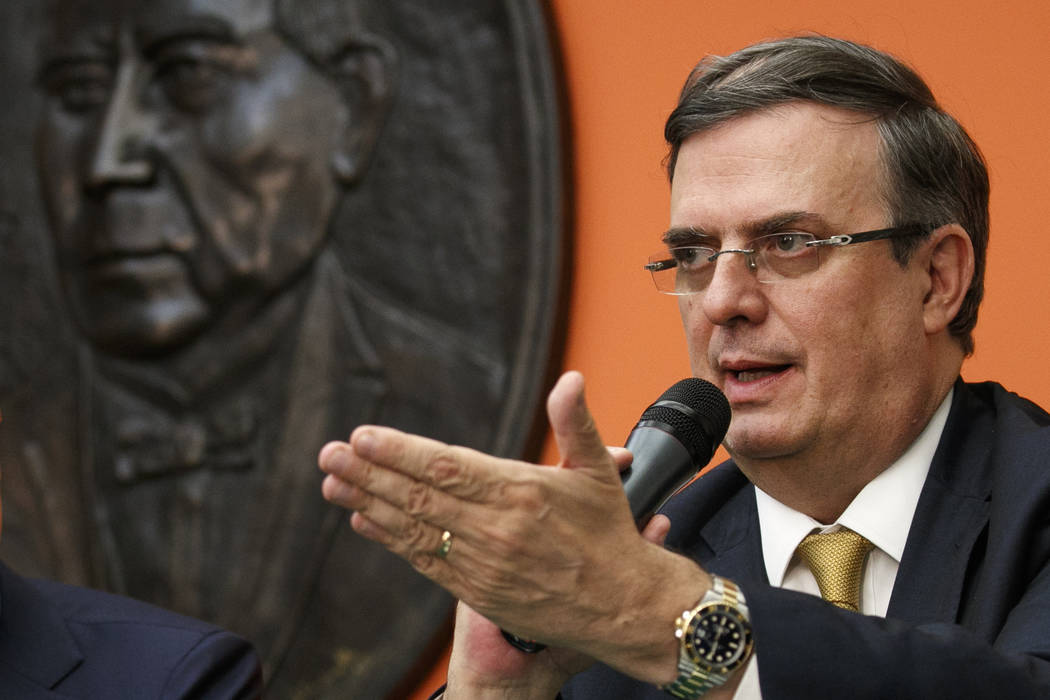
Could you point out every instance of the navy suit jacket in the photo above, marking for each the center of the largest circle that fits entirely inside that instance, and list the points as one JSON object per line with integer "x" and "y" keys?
{"x": 59, "y": 641}
{"x": 969, "y": 616}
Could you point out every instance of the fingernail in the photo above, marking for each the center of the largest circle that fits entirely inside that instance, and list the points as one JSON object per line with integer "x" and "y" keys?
{"x": 364, "y": 444}
{"x": 338, "y": 460}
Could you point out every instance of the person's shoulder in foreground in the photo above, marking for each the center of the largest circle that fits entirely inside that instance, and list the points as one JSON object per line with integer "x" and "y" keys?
{"x": 60, "y": 641}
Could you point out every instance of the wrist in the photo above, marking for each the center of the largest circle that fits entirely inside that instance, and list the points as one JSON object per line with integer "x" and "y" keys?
{"x": 536, "y": 687}
{"x": 641, "y": 642}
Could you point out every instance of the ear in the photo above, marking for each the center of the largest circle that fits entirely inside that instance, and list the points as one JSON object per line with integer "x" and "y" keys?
{"x": 365, "y": 71}
{"x": 949, "y": 262}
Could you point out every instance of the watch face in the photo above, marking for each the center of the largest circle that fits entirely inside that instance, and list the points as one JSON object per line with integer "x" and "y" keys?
{"x": 718, "y": 638}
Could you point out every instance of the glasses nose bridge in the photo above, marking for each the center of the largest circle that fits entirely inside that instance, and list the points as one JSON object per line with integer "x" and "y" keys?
{"x": 748, "y": 253}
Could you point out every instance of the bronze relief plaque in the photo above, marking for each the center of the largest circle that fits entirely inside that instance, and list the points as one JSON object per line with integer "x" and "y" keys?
{"x": 231, "y": 231}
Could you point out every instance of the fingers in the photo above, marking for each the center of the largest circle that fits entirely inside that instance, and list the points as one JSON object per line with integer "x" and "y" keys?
{"x": 656, "y": 529}
{"x": 397, "y": 503}
{"x": 457, "y": 471}
{"x": 382, "y": 521}
{"x": 622, "y": 456}
{"x": 406, "y": 506}
{"x": 572, "y": 424}
{"x": 425, "y": 460}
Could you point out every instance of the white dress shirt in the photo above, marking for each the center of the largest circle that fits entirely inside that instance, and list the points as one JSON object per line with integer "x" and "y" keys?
{"x": 882, "y": 512}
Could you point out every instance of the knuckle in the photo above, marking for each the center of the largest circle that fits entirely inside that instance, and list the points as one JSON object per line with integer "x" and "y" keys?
{"x": 530, "y": 498}
{"x": 506, "y": 545}
{"x": 443, "y": 470}
{"x": 418, "y": 499}
{"x": 415, "y": 538}
{"x": 422, "y": 561}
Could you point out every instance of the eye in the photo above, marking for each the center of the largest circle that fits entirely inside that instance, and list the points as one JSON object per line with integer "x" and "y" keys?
{"x": 191, "y": 84}
{"x": 690, "y": 257}
{"x": 785, "y": 245}
{"x": 195, "y": 75}
{"x": 80, "y": 87}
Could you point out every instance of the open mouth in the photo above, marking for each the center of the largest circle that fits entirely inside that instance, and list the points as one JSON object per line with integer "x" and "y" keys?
{"x": 754, "y": 374}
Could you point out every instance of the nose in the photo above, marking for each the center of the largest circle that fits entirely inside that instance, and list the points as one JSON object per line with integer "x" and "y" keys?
{"x": 734, "y": 295}
{"x": 120, "y": 154}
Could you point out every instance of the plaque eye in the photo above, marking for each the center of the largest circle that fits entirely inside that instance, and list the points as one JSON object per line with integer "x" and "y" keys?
{"x": 80, "y": 87}
{"x": 195, "y": 75}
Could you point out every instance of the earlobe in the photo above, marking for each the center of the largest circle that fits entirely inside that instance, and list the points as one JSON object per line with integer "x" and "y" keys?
{"x": 950, "y": 265}
{"x": 365, "y": 71}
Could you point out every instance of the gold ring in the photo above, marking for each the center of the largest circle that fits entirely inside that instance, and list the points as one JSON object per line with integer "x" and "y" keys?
{"x": 446, "y": 545}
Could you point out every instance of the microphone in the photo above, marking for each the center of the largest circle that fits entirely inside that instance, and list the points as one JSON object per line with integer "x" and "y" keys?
{"x": 674, "y": 437}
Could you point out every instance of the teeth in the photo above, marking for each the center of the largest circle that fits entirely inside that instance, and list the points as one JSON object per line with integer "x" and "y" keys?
{"x": 752, "y": 375}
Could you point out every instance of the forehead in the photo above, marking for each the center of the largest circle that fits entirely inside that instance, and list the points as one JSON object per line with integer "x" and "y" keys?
{"x": 71, "y": 20}
{"x": 799, "y": 157}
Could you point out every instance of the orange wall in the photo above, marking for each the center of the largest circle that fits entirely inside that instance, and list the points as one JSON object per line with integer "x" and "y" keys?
{"x": 625, "y": 61}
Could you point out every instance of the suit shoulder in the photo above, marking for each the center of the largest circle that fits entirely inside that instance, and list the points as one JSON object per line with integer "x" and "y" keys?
{"x": 80, "y": 642}
{"x": 154, "y": 652}
{"x": 87, "y": 606}
{"x": 1010, "y": 408}
{"x": 1005, "y": 440}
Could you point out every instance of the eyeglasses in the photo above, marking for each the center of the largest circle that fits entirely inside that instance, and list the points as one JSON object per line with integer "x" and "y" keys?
{"x": 773, "y": 257}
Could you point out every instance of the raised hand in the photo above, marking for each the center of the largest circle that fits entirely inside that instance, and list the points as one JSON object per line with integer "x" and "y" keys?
{"x": 546, "y": 552}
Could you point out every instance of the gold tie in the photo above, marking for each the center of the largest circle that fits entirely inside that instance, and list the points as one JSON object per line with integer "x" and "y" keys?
{"x": 837, "y": 562}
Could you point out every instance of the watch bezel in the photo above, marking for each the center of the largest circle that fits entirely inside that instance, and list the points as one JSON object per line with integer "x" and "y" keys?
{"x": 743, "y": 632}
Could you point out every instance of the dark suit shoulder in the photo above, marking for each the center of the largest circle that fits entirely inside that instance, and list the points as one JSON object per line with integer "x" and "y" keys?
{"x": 1009, "y": 407}
{"x": 84, "y": 643}
{"x": 86, "y": 606}
{"x": 1003, "y": 440}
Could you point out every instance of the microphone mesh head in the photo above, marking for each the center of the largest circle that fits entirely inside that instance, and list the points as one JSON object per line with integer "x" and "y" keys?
{"x": 697, "y": 413}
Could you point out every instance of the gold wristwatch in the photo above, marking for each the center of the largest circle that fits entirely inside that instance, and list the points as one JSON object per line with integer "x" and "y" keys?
{"x": 714, "y": 640}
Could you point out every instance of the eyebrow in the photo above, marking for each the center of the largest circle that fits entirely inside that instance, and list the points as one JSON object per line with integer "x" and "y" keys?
{"x": 696, "y": 235}
{"x": 95, "y": 46}
{"x": 152, "y": 36}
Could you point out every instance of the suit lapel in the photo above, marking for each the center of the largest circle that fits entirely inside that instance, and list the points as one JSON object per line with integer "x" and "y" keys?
{"x": 736, "y": 544}
{"x": 951, "y": 515}
{"x": 720, "y": 505}
{"x": 36, "y": 649}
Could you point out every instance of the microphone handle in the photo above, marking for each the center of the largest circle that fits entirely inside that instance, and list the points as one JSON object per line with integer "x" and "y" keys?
{"x": 528, "y": 646}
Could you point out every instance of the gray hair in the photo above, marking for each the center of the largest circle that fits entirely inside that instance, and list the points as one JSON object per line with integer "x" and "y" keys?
{"x": 936, "y": 174}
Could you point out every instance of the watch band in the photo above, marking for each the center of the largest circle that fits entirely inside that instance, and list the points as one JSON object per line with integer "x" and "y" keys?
{"x": 693, "y": 679}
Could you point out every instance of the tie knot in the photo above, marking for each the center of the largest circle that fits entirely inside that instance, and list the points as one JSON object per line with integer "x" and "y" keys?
{"x": 837, "y": 562}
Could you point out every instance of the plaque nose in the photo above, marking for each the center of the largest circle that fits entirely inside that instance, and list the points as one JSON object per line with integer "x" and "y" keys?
{"x": 121, "y": 154}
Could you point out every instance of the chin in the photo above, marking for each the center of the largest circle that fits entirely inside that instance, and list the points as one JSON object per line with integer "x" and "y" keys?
{"x": 763, "y": 442}
{"x": 141, "y": 332}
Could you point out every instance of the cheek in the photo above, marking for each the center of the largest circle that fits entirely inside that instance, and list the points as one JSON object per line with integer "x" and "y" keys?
{"x": 264, "y": 140}
{"x": 59, "y": 151}
{"x": 860, "y": 343}
{"x": 697, "y": 333}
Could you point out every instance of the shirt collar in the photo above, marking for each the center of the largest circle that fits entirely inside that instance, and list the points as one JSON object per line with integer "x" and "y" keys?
{"x": 881, "y": 512}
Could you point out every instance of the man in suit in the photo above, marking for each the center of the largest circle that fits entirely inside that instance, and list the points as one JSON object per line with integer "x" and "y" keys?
{"x": 60, "y": 641}
{"x": 881, "y": 529}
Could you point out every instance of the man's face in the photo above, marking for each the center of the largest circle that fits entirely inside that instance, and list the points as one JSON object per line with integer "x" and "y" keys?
{"x": 830, "y": 363}
{"x": 184, "y": 153}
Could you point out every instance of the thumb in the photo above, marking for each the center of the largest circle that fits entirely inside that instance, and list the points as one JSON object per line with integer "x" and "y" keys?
{"x": 574, "y": 430}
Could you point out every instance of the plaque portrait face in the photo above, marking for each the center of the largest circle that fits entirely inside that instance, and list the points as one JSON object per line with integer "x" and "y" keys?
{"x": 191, "y": 159}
